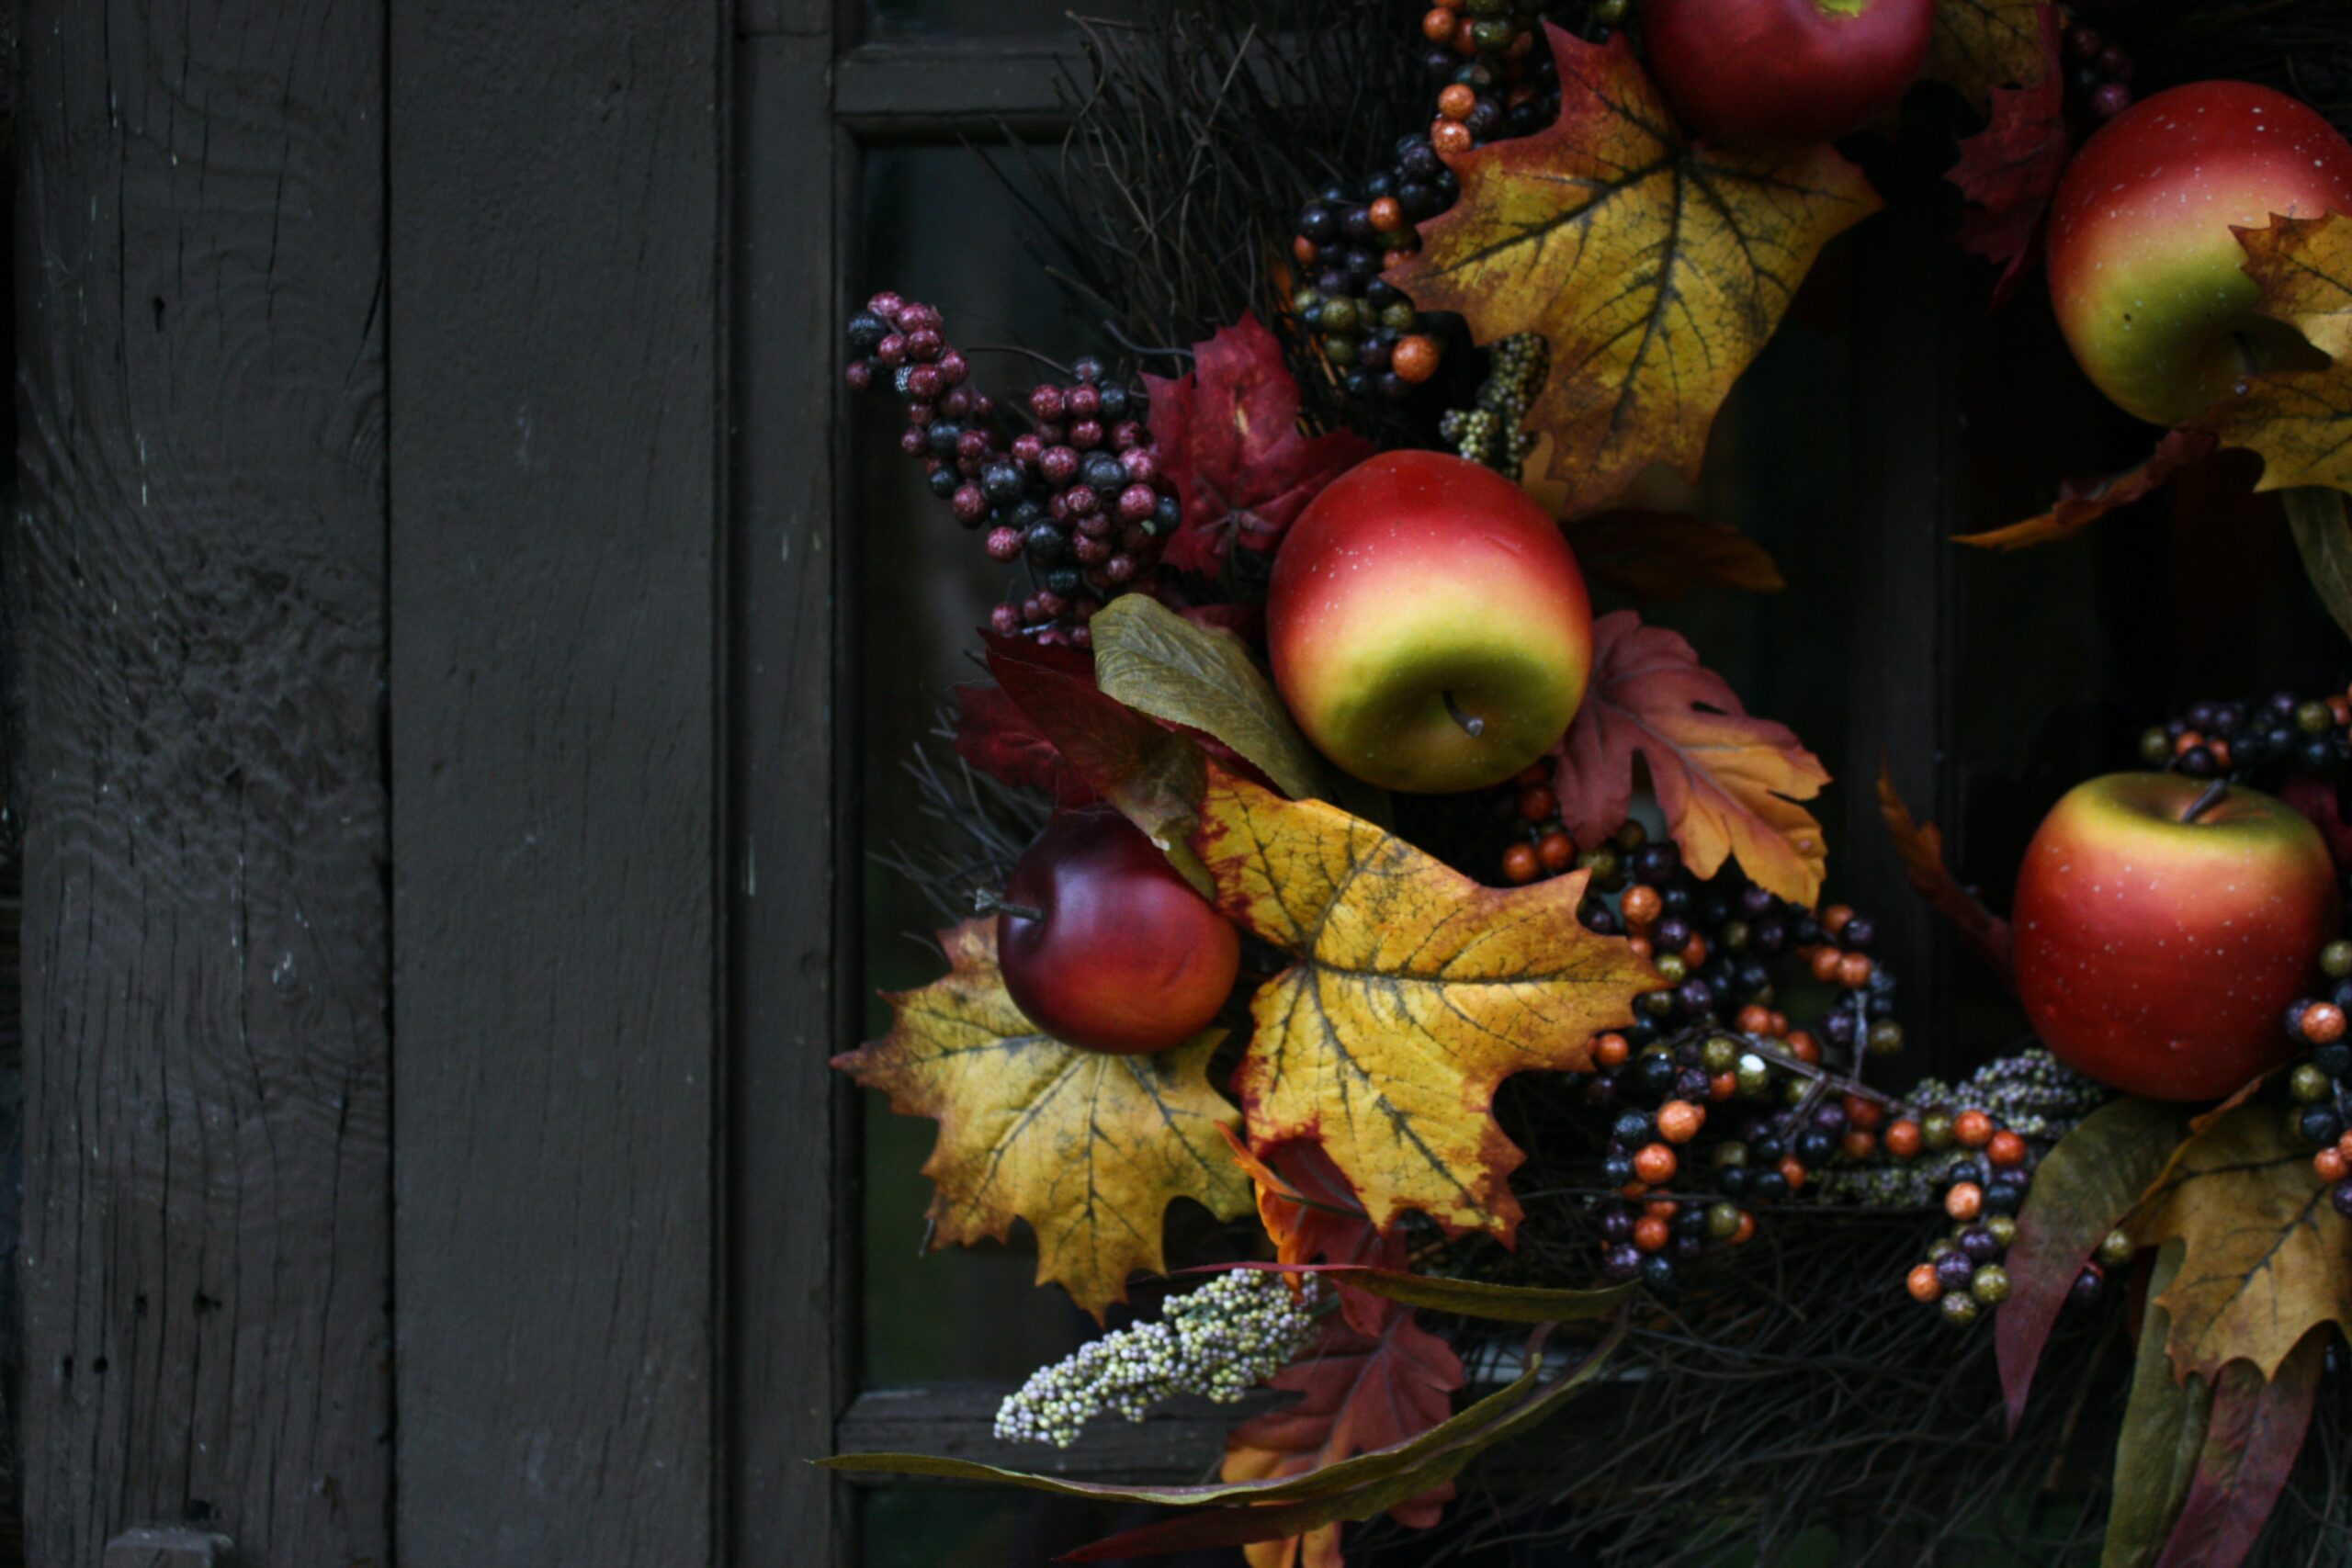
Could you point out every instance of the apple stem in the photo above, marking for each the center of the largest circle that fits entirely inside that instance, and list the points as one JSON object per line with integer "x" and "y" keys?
{"x": 987, "y": 903}
{"x": 2207, "y": 801}
{"x": 1473, "y": 727}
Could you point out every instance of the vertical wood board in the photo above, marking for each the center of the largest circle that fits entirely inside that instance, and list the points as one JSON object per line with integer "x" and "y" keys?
{"x": 198, "y": 570}
{"x": 557, "y": 263}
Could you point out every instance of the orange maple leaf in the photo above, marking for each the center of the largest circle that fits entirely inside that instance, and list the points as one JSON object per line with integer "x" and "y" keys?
{"x": 1729, "y": 783}
{"x": 1090, "y": 1149}
{"x": 1414, "y": 993}
{"x": 2080, "y": 506}
{"x": 1655, "y": 269}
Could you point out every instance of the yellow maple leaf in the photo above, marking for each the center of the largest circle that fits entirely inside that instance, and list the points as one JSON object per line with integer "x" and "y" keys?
{"x": 1984, "y": 44}
{"x": 1415, "y": 993}
{"x": 1088, "y": 1148}
{"x": 1655, "y": 269}
{"x": 2266, "y": 1257}
{"x": 2304, "y": 265}
{"x": 2299, "y": 420}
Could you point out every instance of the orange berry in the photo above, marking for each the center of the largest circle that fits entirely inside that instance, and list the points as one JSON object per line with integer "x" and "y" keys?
{"x": 1694, "y": 952}
{"x": 2330, "y": 1165}
{"x": 1415, "y": 357}
{"x": 1922, "y": 1284}
{"x": 2187, "y": 740}
{"x": 1520, "y": 863}
{"x": 1387, "y": 214}
{"x": 1854, "y": 971}
{"x": 2323, "y": 1023}
{"x": 1654, "y": 1163}
{"x": 1456, "y": 102}
{"x": 1537, "y": 803}
{"x": 1824, "y": 961}
{"x": 1858, "y": 1145}
{"x": 1437, "y": 26}
{"x": 1793, "y": 1172}
{"x": 1678, "y": 1121}
{"x": 2221, "y": 751}
{"x": 1557, "y": 851}
{"x": 1964, "y": 1201}
{"x": 1834, "y": 919}
{"x": 1611, "y": 1050}
{"x": 1446, "y": 136}
{"x": 1641, "y": 946}
{"x": 1532, "y": 775}
{"x": 1633, "y": 1190}
{"x": 1746, "y": 1231}
{"x": 1465, "y": 41}
{"x": 1867, "y": 1114}
{"x": 1723, "y": 1085}
{"x": 1972, "y": 1128}
{"x": 1780, "y": 1025}
{"x": 1903, "y": 1140}
{"x": 1661, "y": 1208}
{"x": 2342, "y": 709}
{"x": 1304, "y": 250}
{"x": 1651, "y": 1234}
{"x": 1753, "y": 1020}
{"x": 2344, "y": 1146}
{"x": 1804, "y": 1047}
{"x": 1641, "y": 905}
{"x": 2006, "y": 1148}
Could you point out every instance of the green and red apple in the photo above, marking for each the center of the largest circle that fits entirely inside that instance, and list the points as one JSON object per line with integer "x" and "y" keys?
{"x": 1427, "y": 625}
{"x": 2160, "y": 935}
{"x": 1104, "y": 946}
{"x": 2145, "y": 271}
{"x": 1784, "y": 74}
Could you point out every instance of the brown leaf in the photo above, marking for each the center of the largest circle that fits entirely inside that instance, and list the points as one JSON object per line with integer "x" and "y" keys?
{"x": 1655, "y": 269}
{"x": 1922, "y": 848}
{"x": 2266, "y": 1257}
{"x": 1729, "y": 783}
{"x": 1984, "y": 44}
{"x": 2080, "y": 506}
{"x": 1664, "y": 554}
{"x": 1090, "y": 1149}
{"x": 1414, "y": 993}
{"x": 2009, "y": 170}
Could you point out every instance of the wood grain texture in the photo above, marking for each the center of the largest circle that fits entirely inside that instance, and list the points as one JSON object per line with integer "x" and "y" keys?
{"x": 557, "y": 266}
{"x": 793, "y": 1305}
{"x": 200, "y": 562}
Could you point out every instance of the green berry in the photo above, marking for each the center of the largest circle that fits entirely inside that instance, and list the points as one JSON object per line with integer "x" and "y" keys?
{"x": 2156, "y": 747}
{"x": 1719, "y": 1054}
{"x": 1885, "y": 1038}
{"x": 2314, "y": 719}
{"x": 1340, "y": 313}
{"x": 1723, "y": 1221}
{"x": 2335, "y": 959}
{"x": 1753, "y": 1076}
{"x": 2309, "y": 1085}
{"x": 1959, "y": 1309}
{"x": 1936, "y": 1129}
{"x": 2115, "y": 1249}
{"x": 2002, "y": 1229}
{"x": 1991, "y": 1285}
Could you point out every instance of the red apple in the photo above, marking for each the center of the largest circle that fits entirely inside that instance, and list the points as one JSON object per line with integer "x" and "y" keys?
{"x": 1104, "y": 946}
{"x": 1780, "y": 73}
{"x": 1428, "y": 626}
{"x": 2158, "y": 950}
{"x": 2148, "y": 279}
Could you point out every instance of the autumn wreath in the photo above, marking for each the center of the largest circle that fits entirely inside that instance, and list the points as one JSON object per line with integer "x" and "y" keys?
{"x": 1306, "y": 802}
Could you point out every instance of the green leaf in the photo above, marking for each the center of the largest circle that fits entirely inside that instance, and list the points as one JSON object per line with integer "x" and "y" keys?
{"x": 1467, "y": 1297}
{"x": 2081, "y": 1191}
{"x": 1155, "y": 661}
{"x": 1480, "y": 1424}
{"x": 1367, "y": 1493}
{"x": 2164, "y": 1433}
{"x": 2322, "y": 532}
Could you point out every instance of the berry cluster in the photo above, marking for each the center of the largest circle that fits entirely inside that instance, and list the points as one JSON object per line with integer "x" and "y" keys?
{"x": 2255, "y": 743}
{"x": 1493, "y": 432}
{"x": 2321, "y": 1085}
{"x": 1077, "y": 494}
{"x": 1498, "y": 78}
{"x": 1218, "y": 1342}
{"x": 1367, "y": 330}
{"x": 2099, "y": 73}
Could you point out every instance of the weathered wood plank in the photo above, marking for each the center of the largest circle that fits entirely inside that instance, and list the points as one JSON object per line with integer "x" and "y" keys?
{"x": 557, "y": 260}
{"x": 794, "y": 1306}
{"x": 199, "y": 560}
{"x": 932, "y": 88}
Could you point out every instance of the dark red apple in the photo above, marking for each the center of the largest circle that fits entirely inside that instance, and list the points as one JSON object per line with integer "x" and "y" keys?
{"x": 2147, "y": 277}
{"x": 2158, "y": 946}
{"x": 1104, "y": 945}
{"x": 1427, "y": 623}
{"x": 1784, "y": 74}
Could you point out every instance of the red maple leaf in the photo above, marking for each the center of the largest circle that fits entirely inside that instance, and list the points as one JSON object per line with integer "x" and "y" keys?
{"x": 2009, "y": 170}
{"x": 2084, "y": 502}
{"x": 997, "y": 739}
{"x": 1311, "y": 1213}
{"x": 1228, "y": 436}
{"x": 1729, "y": 783}
{"x": 1361, "y": 1389}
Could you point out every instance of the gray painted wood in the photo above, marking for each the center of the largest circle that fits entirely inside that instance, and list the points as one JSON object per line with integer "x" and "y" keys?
{"x": 794, "y": 1306}
{"x": 199, "y": 564}
{"x": 556, "y": 227}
